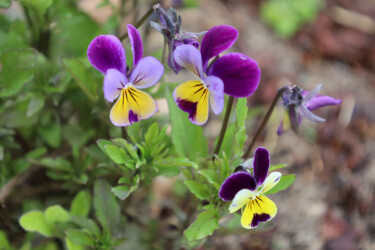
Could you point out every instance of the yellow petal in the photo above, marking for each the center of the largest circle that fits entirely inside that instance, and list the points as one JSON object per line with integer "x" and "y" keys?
{"x": 192, "y": 97}
{"x": 259, "y": 210}
{"x": 133, "y": 105}
{"x": 240, "y": 199}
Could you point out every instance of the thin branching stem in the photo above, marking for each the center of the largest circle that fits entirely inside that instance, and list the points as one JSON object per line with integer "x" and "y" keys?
{"x": 265, "y": 120}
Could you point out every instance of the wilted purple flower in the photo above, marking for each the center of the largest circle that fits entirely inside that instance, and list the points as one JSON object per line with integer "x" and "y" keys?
{"x": 107, "y": 55}
{"x": 299, "y": 103}
{"x": 170, "y": 28}
{"x": 234, "y": 74}
{"x": 245, "y": 189}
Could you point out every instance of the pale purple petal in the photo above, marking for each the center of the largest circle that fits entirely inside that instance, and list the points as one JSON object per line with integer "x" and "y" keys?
{"x": 114, "y": 82}
{"x": 147, "y": 73}
{"x": 106, "y": 52}
{"x": 239, "y": 73}
{"x": 319, "y": 101}
{"x": 261, "y": 165}
{"x": 174, "y": 66}
{"x": 309, "y": 115}
{"x": 216, "y": 87}
{"x": 217, "y": 40}
{"x": 234, "y": 183}
{"x": 136, "y": 43}
{"x": 309, "y": 95}
{"x": 189, "y": 57}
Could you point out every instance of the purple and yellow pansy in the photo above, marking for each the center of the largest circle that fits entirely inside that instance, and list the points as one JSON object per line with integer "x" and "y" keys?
{"x": 107, "y": 55}
{"x": 247, "y": 190}
{"x": 234, "y": 74}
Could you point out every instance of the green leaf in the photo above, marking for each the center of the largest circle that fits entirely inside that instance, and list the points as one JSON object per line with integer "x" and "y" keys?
{"x": 278, "y": 166}
{"x": 77, "y": 69}
{"x": 87, "y": 224}
{"x": 79, "y": 237}
{"x": 18, "y": 68}
{"x": 36, "y": 104}
{"x": 54, "y": 214}
{"x": 39, "y": 6}
{"x": 126, "y": 187}
{"x": 101, "y": 143}
{"x": 34, "y": 222}
{"x": 205, "y": 224}
{"x": 212, "y": 177}
{"x": 117, "y": 154}
{"x": 73, "y": 246}
{"x": 106, "y": 207}
{"x": 4, "y": 241}
{"x": 151, "y": 133}
{"x": 198, "y": 189}
{"x": 187, "y": 137}
{"x": 284, "y": 183}
{"x": 51, "y": 134}
{"x": 5, "y": 3}
{"x": 81, "y": 204}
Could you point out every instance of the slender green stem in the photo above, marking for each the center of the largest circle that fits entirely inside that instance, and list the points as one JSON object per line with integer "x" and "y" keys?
{"x": 223, "y": 126}
{"x": 141, "y": 21}
{"x": 265, "y": 120}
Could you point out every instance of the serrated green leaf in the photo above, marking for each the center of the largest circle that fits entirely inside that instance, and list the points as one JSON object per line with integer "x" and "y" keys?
{"x": 284, "y": 183}
{"x": 79, "y": 237}
{"x": 101, "y": 143}
{"x": 36, "y": 104}
{"x": 77, "y": 69}
{"x": 18, "y": 68}
{"x": 212, "y": 177}
{"x": 117, "y": 154}
{"x": 106, "y": 207}
{"x": 129, "y": 147}
{"x": 186, "y": 137}
{"x": 81, "y": 204}
{"x": 34, "y": 222}
{"x": 198, "y": 189}
{"x": 151, "y": 133}
{"x": 205, "y": 224}
{"x": 54, "y": 214}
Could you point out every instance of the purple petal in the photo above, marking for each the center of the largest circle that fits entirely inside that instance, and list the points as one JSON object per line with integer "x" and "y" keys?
{"x": 106, "y": 52}
{"x": 136, "y": 43}
{"x": 306, "y": 113}
{"x": 319, "y": 101}
{"x": 147, "y": 73}
{"x": 235, "y": 183}
{"x": 261, "y": 165}
{"x": 216, "y": 87}
{"x": 217, "y": 40}
{"x": 188, "y": 56}
{"x": 239, "y": 73}
{"x": 114, "y": 82}
{"x": 171, "y": 61}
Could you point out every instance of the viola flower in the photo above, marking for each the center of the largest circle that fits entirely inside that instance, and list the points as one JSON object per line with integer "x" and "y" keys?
{"x": 299, "y": 103}
{"x": 170, "y": 28}
{"x": 247, "y": 190}
{"x": 107, "y": 55}
{"x": 234, "y": 74}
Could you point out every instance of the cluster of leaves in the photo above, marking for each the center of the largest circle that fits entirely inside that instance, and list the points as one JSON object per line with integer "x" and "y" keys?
{"x": 287, "y": 16}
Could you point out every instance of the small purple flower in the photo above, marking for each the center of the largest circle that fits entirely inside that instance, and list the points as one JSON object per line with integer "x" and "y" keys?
{"x": 170, "y": 28}
{"x": 299, "y": 103}
{"x": 234, "y": 74}
{"x": 107, "y": 55}
{"x": 245, "y": 189}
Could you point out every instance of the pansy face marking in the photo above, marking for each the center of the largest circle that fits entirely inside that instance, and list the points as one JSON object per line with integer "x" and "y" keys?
{"x": 299, "y": 103}
{"x": 107, "y": 55}
{"x": 234, "y": 74}
{"x": 247, "y": 190}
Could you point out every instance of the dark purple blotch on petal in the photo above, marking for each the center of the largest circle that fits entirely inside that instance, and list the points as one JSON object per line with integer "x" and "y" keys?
{"x": 234, "y": 183}
{"x": 261, "y": 165}
{"x": 259, "y": 218}
{"x": 132, "y": 117}
{"x": 188, "y": 107}
{"x": 239, "y": 73}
